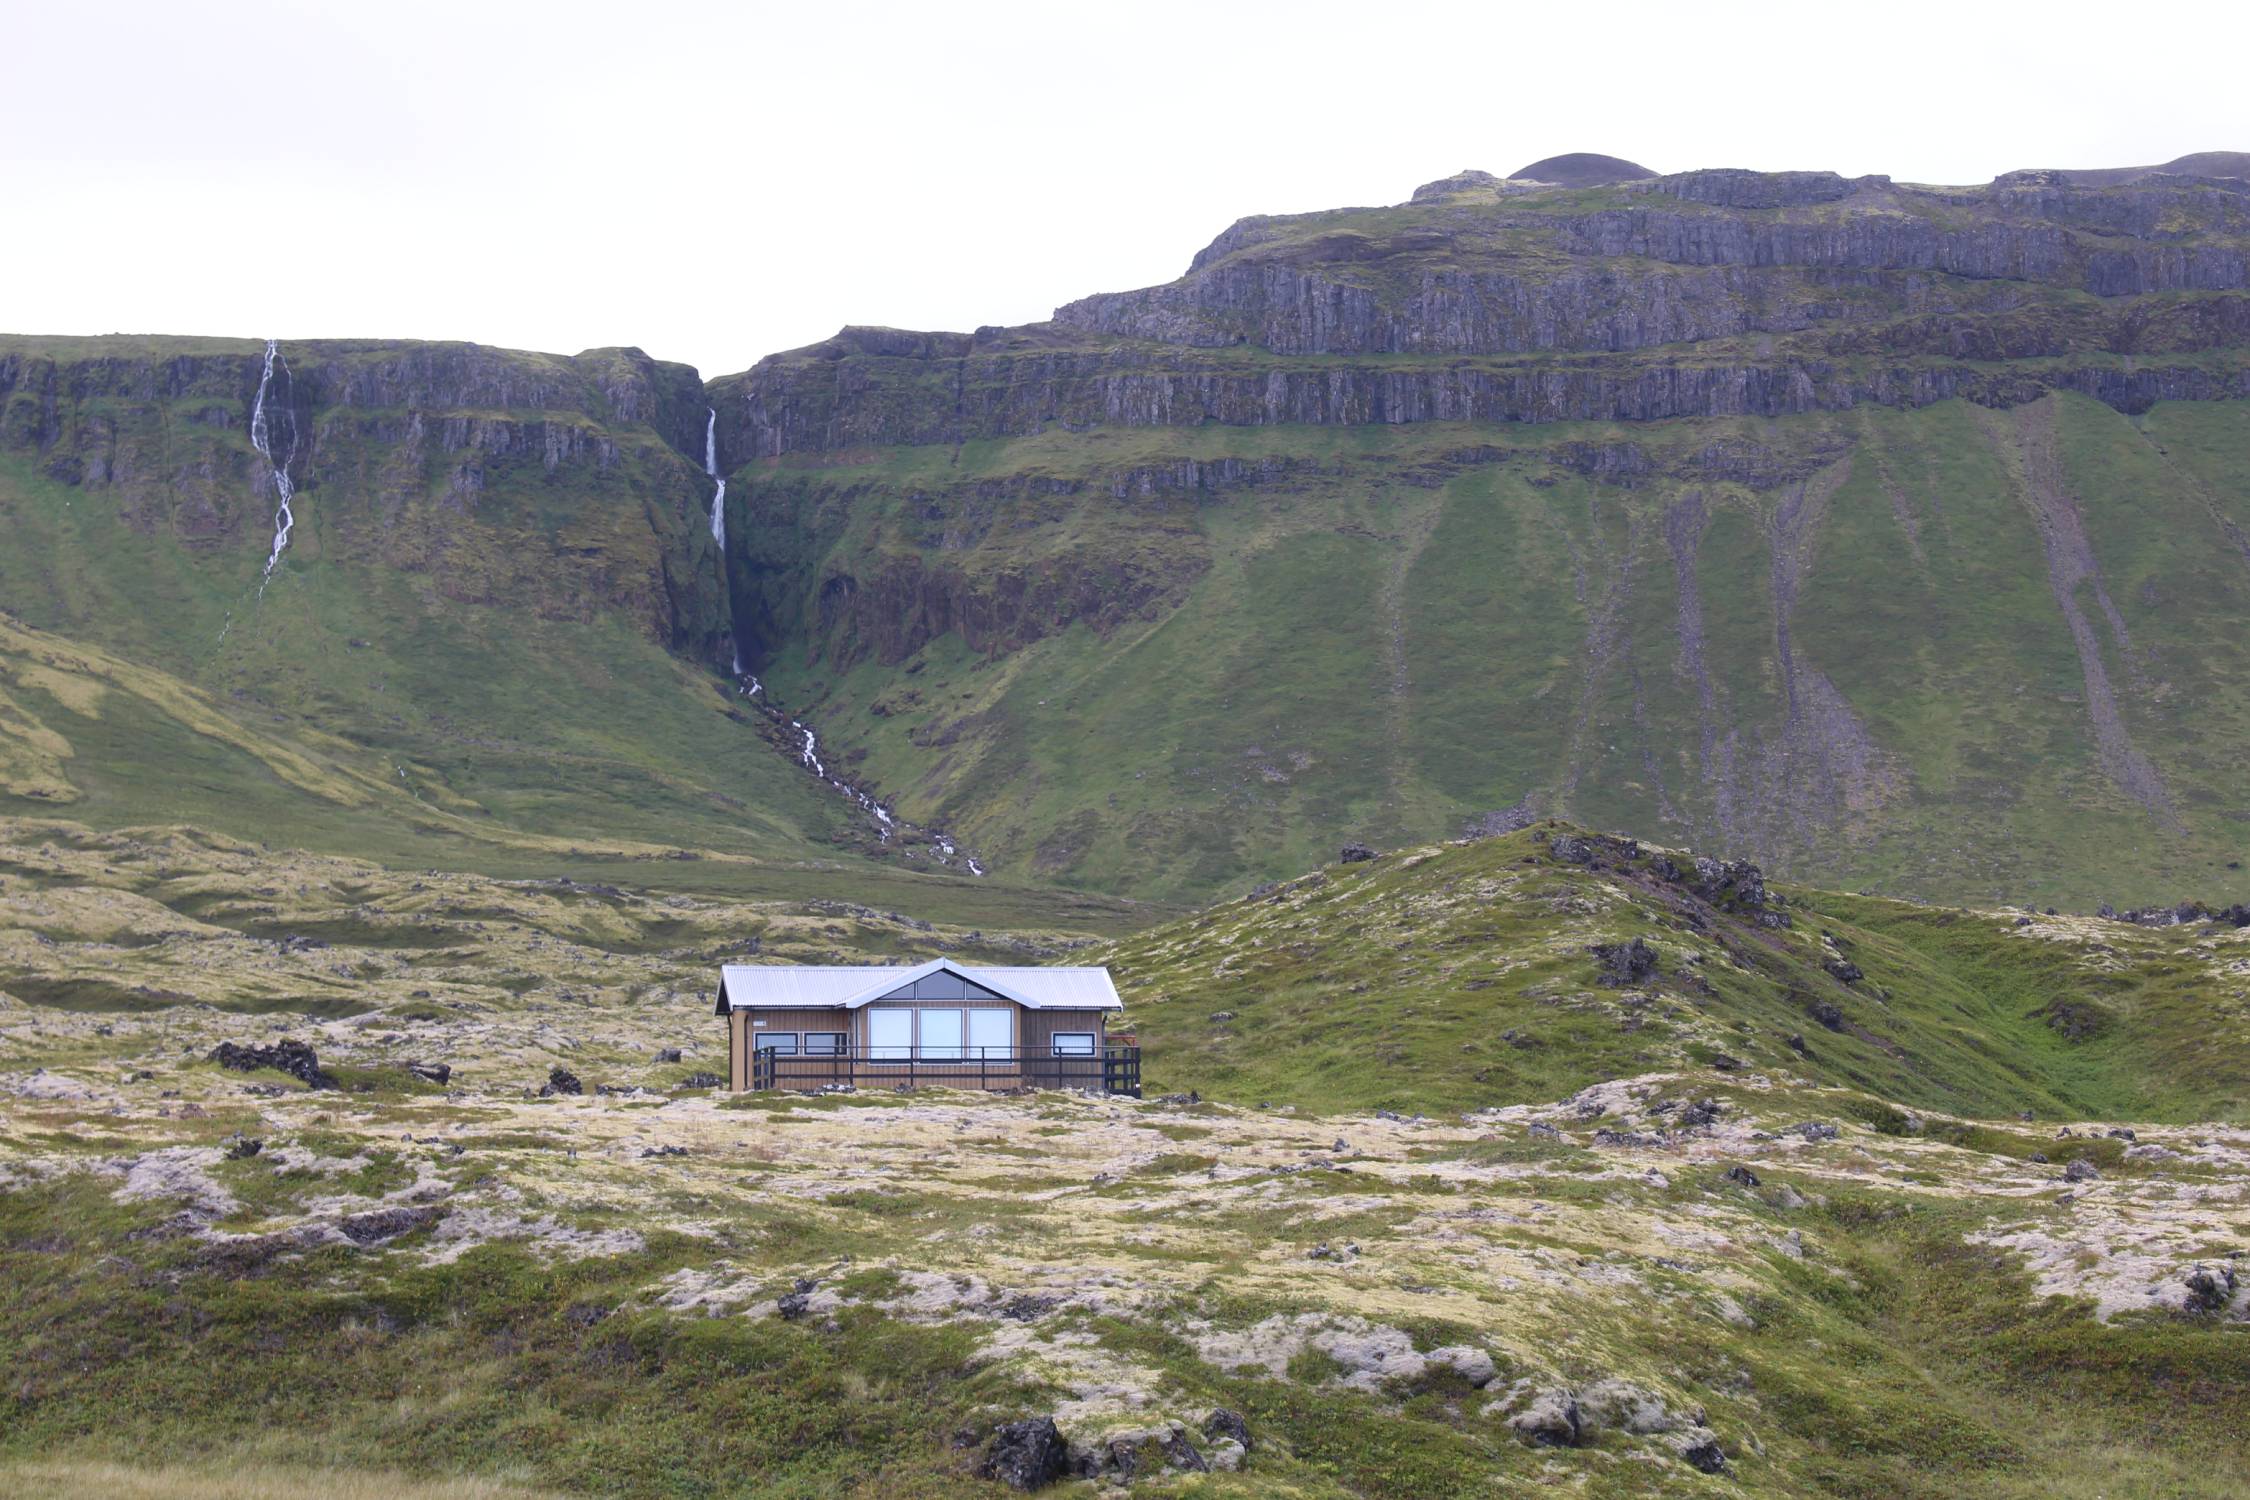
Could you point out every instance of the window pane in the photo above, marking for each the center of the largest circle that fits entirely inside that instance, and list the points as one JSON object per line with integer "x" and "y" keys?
{"x": 824, "y": 1043}
{"x": 783, "y": 1042}
{"x": 991, "y": 1033}
{"x": 890, "y": 1033}
{"x": 941, "y": 1033}
{"x": 1074, "y": 1044}
{"x": 940, "y": 986}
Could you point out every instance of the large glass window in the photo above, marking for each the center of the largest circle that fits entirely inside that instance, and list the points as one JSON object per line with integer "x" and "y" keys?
{"x": 940, "y": 986}
{"x": 890, "y": 1033}
{"x": 991, "y": 1034}
{"x": 1074, "y": 1044}
{"x": 824, "y": 1043}
{"x": 782, "y": 1042}
{"x": 942, "y": 1034}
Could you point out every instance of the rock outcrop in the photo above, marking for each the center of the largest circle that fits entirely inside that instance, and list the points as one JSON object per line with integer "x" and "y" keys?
{"x": 1880, "y": 293}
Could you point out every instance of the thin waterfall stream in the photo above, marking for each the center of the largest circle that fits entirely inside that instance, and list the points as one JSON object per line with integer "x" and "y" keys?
{"x": 261, "y": 438}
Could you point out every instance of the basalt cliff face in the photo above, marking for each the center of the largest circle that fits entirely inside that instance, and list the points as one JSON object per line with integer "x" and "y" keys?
{"x": 561, "y": 485}
{"x": 1885, "y": 532}
{"x": 1703, "y": 294}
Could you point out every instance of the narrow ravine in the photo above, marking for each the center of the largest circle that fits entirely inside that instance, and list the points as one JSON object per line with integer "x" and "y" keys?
{"x": 261, "y": 438}
{"x": 890, "y": 832}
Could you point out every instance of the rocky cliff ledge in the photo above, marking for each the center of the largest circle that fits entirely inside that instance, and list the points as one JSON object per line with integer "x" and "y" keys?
{"x": 1707, "y": 293}
{"x": 568, "y": 484}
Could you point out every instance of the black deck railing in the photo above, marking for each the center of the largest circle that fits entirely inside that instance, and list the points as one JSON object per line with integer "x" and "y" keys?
{"x": 1113, "y": 1069}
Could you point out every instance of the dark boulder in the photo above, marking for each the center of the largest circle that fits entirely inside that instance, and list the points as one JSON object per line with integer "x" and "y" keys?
{"x": 1625, "y": 965}
{"x": 1227, "y": 1426}
{"x": 797, "y": 1301}
{"x": 2080, "y": 1170}
{"x": 1826, "y": 1014}
{"x": 1181, "y": 1454}
{"x": 1743, "y": 1175}
{"x": 561, "y": 1080}
{"x": 243, "y": 1147}
{"x": 667, "y": 1055}
{"x": 438, "y": 1073}
{"x": 1845, "y": 970}
{"x": 1700, "y": 1451}
{"x": 700, "y": 1081}
{"x": 1354, "y": 854}
{"x": 2210, "y": 1289}
{"x": 1025, "y": 1455}
{"x": 1699, "y": 1114}
{"x": 1552, "y": 1420}
{"x": 294, "y": 1058}
{"x": 386, "y": 1224}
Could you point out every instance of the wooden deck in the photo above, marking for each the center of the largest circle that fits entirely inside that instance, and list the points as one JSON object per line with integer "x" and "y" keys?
{"x": 1114, "y": 1069}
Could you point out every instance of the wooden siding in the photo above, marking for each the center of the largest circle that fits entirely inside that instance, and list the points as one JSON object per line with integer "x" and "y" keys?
{"x": 1040, "y": 1026}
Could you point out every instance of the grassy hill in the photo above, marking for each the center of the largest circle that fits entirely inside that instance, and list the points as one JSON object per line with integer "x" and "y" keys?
{"x": 1479, "y": 973}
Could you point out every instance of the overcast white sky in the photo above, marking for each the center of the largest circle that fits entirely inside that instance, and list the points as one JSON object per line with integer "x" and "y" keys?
{"x": 714, "y": 182}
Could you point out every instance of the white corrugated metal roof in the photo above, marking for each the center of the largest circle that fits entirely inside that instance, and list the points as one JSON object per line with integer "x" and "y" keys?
{"x": 812, "y": 987}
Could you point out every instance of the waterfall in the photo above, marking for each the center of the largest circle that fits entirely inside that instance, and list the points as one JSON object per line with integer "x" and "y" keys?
{"x": 806, "y": 755}
{"x": 719, "y": 500}
{"x": 886, "y": 822}
{"x": 261, "y": 438}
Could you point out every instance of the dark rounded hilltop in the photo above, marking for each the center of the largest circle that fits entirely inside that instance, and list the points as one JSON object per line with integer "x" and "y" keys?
{"x": 1582, "y": 169}
{"x": 2218, "y": 164}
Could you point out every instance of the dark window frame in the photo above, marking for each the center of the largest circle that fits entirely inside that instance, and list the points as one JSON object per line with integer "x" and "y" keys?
{"x": 835, "y": 1049}
{"x": 1056, "y": 1039}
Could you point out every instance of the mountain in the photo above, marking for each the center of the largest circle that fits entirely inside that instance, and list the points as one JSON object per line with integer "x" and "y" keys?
{"x": 1892, "y": 535}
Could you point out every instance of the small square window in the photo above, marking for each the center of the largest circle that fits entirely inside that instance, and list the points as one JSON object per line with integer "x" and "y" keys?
{"x": 1074, "y": 1044}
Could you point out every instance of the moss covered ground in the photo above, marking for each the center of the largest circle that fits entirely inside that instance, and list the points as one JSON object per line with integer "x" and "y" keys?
{"x": 1850, "y": 1269}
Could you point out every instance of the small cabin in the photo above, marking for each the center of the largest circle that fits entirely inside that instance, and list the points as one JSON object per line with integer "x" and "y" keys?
{"x": 939, "y": 1023}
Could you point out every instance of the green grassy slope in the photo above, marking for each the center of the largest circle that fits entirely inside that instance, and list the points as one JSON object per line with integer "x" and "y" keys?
{"x": 1382, "y": 633}
{"x": 1463, "y": 976}
{"x": 486, "y": 648}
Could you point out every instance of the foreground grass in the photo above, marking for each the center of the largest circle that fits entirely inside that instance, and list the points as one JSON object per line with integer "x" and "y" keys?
{"x": 240, "y": 1479}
